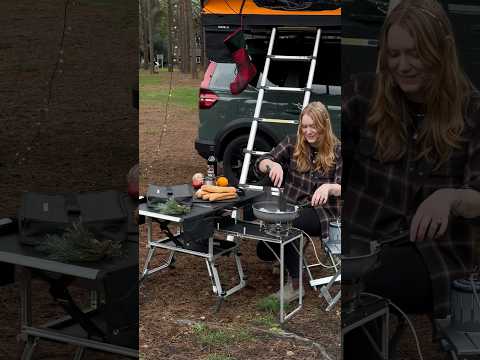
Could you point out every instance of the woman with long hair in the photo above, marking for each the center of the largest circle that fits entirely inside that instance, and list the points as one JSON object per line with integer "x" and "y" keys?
{"x": 412, "y": 152}
{"x": 309, "y": 166}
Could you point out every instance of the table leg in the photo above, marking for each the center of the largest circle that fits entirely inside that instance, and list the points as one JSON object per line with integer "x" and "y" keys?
{"x": 219, "y": 305}
{"x": 25, "y": 296}
{"x": 148, "y": 220}
{"x": 216, "y": 277}
{"x": 150, "y": 254}
{"x": 241, "y": 274}
{"x": 300, "y": 266}
{"x": 282, "y": 276}
{"x": 30, "y": 345}
{"x": 385, "y": 337}
{"x": 26, "y": 311}
{"x": 79, "y": 353}
{"x": 216, "y": 281}
{"x": 210, "y": 274}
{"x": 283, "y": 315}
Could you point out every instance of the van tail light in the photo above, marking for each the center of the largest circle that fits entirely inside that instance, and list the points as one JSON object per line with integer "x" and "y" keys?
{"x": 207, "y": 99}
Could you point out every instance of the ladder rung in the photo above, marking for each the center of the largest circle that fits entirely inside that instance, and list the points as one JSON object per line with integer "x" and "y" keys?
{"x": 277, "y": 121}
{"x": 280, "y": 88}
{"x": 334, "y": 107}
{"x": 254, "y": 152}
{"x": 290, "y": 58}
{"x": 297, "y": 28}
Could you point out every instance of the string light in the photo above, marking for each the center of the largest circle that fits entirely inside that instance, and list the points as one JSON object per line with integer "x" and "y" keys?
{"x": 44, "y": 110}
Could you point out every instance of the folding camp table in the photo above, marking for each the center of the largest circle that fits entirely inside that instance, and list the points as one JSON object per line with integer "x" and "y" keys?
{"x": 233, "y": 232}
{"x": 253, "y": 231}
{"x": 199, "y": 211}
{"x": 63, "y": 330}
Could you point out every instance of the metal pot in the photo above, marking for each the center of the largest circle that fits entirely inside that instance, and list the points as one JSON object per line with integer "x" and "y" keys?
{"x": 269, "y": 211}
{"x": 335, "y": 232}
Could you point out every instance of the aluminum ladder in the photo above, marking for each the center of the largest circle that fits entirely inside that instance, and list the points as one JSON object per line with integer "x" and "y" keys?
{"x": 258, "y": 106}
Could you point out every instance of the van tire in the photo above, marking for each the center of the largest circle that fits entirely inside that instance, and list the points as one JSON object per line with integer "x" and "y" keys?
{"x": 233, "y": 157}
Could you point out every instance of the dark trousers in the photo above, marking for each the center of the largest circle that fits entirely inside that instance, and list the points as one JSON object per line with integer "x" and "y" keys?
{"x": 306, "y": 221}
{"x": 401, "y": 277}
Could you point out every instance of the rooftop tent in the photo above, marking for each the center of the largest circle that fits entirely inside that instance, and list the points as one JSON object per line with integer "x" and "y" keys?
{"x": 256, "y": 12}
{"x": 220, "y": 17}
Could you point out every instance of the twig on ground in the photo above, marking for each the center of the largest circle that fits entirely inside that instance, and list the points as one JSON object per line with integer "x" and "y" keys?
{"x": 278, "y": 333}
{"x": 285, "y": 334}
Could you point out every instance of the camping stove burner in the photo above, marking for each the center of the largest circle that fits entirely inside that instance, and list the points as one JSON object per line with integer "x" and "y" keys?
{"x": 275, "y": 229}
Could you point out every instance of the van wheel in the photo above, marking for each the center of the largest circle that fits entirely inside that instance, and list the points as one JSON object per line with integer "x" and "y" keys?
{"x": 233, "y": 158}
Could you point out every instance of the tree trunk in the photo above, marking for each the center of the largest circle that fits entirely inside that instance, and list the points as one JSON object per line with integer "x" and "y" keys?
{"x": 191, "y": 37}
{"x": 170, "y": 37}
{"x": 150, "y": 35}
{"x": 141, "y": 39}
{"x": 144, "y": 35}
{"x": 183, "y": 36}
{"x": 203, "y": 48}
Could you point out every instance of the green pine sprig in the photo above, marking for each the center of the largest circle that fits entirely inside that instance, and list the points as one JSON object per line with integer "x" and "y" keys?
{"x": 78, "y": 244}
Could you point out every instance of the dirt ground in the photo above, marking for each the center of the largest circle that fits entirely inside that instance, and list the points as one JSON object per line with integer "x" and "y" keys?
{"x": 88, "y": 138}
{"x": 173, "y": 298}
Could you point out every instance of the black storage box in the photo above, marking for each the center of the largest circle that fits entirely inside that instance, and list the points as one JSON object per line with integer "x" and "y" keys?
{"x": 160, "y": 194}
{"x": 104, "y": 213}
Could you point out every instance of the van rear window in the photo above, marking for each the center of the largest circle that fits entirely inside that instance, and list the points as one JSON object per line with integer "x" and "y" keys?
{"x": 223, "y": 76}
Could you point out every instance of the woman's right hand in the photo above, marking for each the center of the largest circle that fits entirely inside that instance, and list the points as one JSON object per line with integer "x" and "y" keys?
{"x": 276, "y": 173}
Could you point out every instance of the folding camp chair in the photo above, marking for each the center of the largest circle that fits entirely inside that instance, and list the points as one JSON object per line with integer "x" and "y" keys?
{"x": 333, "y": 248}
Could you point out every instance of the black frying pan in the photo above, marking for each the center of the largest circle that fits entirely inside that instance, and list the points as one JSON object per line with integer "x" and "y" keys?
{"x": 365, "y": 255}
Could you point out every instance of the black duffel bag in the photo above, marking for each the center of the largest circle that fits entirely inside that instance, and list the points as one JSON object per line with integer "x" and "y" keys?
{"x": 103, "y": 213}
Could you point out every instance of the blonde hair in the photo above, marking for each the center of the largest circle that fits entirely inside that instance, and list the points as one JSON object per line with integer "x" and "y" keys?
{"x": 446, "y": 91}
{"x": 326, "y": 143}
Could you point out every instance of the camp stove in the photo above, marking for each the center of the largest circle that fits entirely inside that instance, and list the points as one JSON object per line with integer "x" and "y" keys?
{"x": 461, "y": 330}
{"x": 276, "y": 219}
{"x": 277, "y": 229}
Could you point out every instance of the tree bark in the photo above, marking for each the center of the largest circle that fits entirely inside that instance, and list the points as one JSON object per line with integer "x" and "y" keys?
{"x": 183, "y": 36}
{"x": 150, "y": 35}
{"x": 144, "y": 34}
{"x": 170, "y": 37}
{"x": 141, "y": 39}
{"x": 191, "y": 37}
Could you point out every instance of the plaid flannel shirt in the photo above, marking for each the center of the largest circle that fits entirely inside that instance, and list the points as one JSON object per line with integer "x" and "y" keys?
{"x": 381, "y": 198}
{"x": 300, "y": 186}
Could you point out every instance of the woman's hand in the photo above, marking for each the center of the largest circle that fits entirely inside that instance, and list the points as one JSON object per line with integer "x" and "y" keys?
{"x": 275, "y": 172}
{"x": 320, "y": 196}
{"x": 431, "y": 219}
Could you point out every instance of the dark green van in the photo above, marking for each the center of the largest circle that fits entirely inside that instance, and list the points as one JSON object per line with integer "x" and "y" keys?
{"x": 225, "y": 119}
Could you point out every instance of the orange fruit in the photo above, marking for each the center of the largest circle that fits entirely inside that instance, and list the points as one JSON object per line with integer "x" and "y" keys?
{"x": 222, "y": 181}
